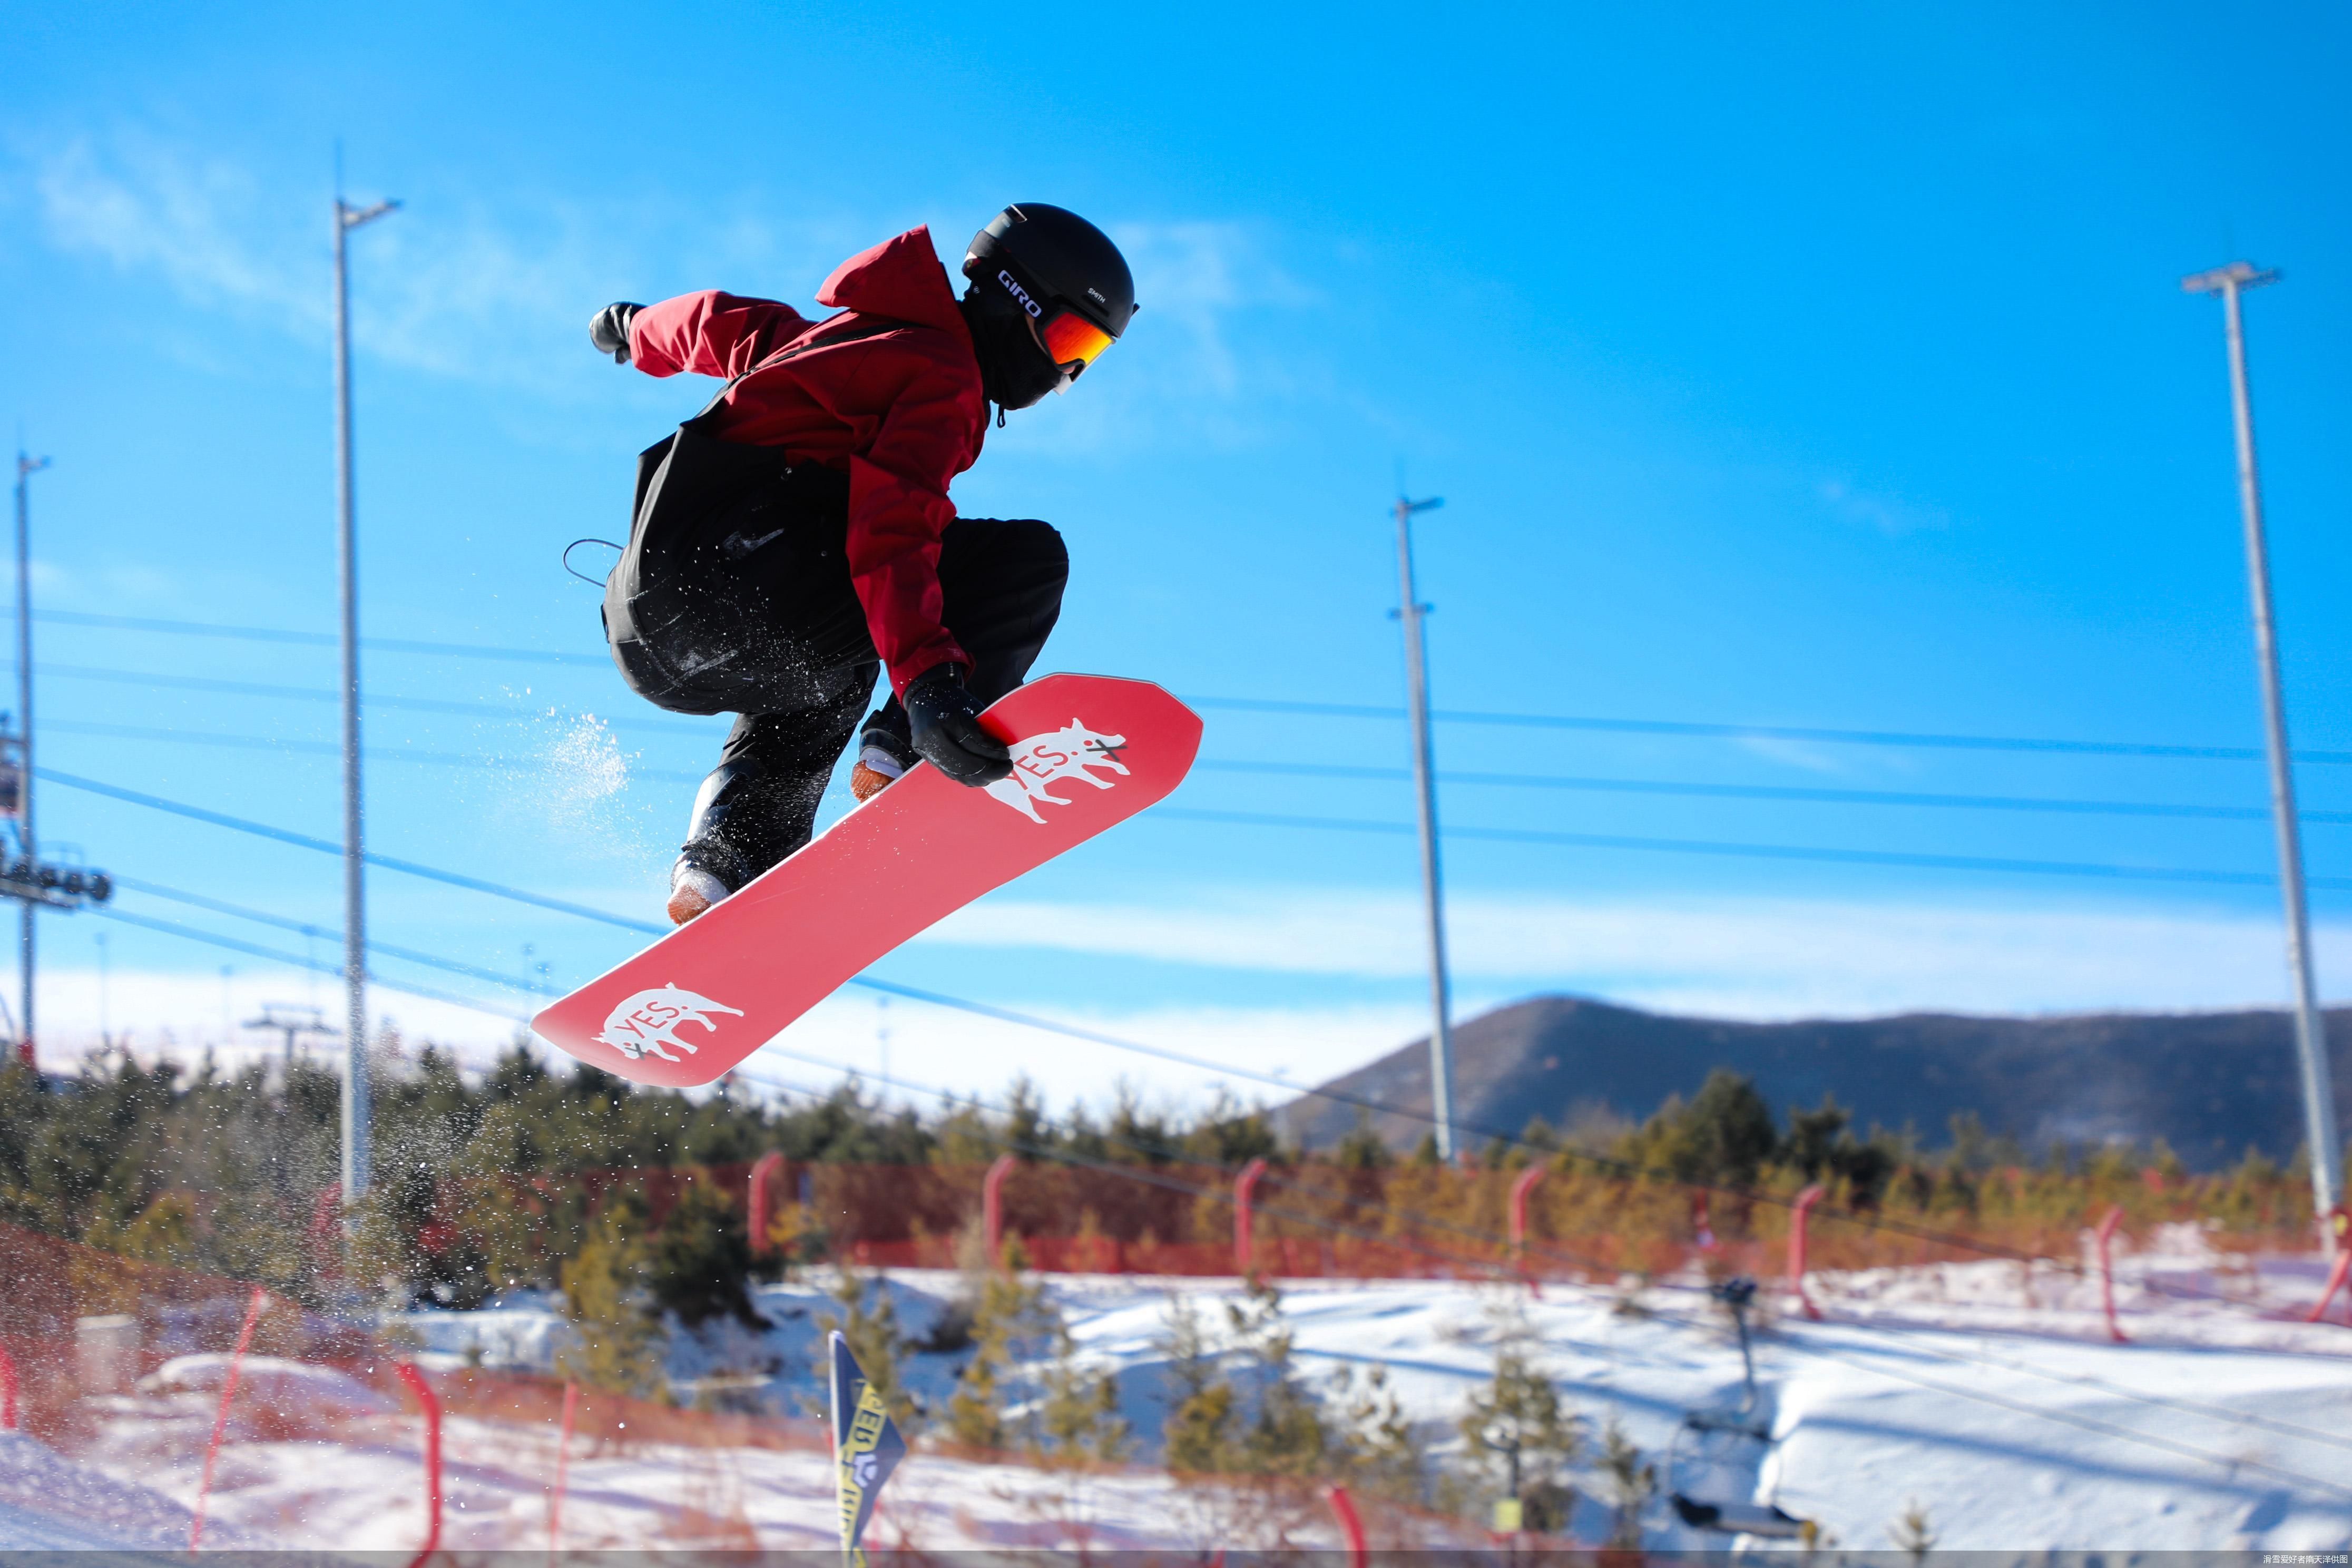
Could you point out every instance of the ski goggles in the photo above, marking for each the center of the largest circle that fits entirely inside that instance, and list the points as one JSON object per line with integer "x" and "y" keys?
{"x": 1071, "y": 342}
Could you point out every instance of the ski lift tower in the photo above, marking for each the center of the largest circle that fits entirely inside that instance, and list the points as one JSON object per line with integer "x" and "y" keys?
{"x": 2320, "y": 1133}
{"x": 356, "y": 1116}
{"x": 1424, "y": 781}
{"x": 293, "y": 1022}
{"x": 24, "y": 877}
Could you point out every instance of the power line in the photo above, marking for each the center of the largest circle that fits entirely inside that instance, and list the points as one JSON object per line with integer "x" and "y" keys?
{"x": 1753, "y": 851}
{"x": 321, "y": 694}
{"x": 1571, "y": 840}
{"x": 304, "y": 928}
{"x": 1764, "y": 731}
{"x": 2056, "y": 804}
{"x": 298, "y": 961}
{"x": 390, "y": 863}
{"x": 313, "y": 639}
{"x": 1095, "y": 1037}
{"x": 488, "y": 760}
{"x": 1700, "y": 729}
{"x": 1770, "y": 792}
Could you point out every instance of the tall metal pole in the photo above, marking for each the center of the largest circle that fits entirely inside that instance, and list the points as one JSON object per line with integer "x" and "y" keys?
{"x": 2310, "y": 1026}
{"x": 27, "y": 468}
{"x": 1424, "y": 780}
{"x": 355, "y": 1116}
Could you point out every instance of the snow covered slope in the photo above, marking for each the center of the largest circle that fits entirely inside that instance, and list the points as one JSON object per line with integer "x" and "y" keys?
{"x": 50, "y": 1503}
{"x": 1986, "y": 1397}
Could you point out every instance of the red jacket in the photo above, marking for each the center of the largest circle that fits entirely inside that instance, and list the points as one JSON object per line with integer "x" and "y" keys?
{"x": 902, "y": 413}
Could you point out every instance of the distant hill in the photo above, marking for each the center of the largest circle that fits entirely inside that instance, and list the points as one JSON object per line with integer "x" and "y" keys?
{"x": 2209, "y": 1084}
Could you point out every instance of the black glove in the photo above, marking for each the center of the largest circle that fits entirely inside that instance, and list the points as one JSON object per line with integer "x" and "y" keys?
{"x": 608, "y": 329}
{"x": 944, "y": 722}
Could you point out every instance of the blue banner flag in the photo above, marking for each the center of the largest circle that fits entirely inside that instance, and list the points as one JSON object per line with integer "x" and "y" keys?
{"x": 866, "y": 1447}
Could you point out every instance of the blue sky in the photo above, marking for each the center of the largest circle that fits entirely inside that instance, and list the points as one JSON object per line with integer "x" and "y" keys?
{"x": 1822, "y": 370}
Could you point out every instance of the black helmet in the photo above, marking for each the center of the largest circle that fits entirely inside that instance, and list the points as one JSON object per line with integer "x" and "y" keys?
{"x": 1061, "y": 273}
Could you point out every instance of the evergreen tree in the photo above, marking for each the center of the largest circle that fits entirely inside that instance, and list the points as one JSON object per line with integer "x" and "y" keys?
{"x": 1008, "y": 1311}
{"x": 1724, "y": 1135}
{"x": 1080, "y": 1413}
{"x": 610, "y": 1304}
{"x": 702, "y": 1259}
{"x": 1198, "y": 1436}
{"x": 874, "y": 1339}
{"x": 1361, "y": 1149}
{"x": 1287, "y": 1436}
{"x": 1516, "y": 1428}
{"x": 1632, "y": 1481}
{"x": 1913, "y": 1532}
{"x": 1374, "y": 1439}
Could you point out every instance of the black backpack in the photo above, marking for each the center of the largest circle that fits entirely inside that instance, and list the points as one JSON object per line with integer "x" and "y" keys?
{"x": 678, "y": 606}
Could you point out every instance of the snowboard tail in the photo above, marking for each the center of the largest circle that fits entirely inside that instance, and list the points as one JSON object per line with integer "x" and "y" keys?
{"x": 1088, "y": 753}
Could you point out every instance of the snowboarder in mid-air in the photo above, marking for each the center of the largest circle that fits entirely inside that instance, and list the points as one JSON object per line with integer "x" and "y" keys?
{"x": 797, "y": 536}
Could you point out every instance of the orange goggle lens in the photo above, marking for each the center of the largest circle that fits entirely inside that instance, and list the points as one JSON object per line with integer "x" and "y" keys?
{"x": 1071, "y": 337}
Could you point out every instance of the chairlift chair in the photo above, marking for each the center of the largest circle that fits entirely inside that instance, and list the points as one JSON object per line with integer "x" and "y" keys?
{"x": 1712, "y": 1446}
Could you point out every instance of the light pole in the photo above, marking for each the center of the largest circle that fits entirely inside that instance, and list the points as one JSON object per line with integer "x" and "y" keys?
{"x": 355, "y": 1065}
{"x": 1424, "y": 780}
{"x": 2310, "y": 1027}
{"x": 27, "y": 468}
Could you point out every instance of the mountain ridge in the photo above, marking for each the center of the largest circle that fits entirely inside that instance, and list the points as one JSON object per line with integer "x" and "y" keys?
{"x": 2210, "y": 1085}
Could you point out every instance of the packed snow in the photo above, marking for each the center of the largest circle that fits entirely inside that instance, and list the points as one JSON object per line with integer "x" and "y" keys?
{"x": 51, "y": 1503}
{"x": 1986, "y": 1398}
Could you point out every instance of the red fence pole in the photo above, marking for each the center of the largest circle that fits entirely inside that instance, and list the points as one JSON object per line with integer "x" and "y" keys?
{"x": 1796, "y": 1217}
{"x": 563, "y": 1465}
{"x": 2335, "y": 1278}
{"x": 1351, "y": 1525}
{"x": 7, "y": 1390}
{"x": 326, "y": 1217}
{"x": 2339, "y": 1235}
{"x": 2339, "y": 1222}
{"x": 1244, "y": 1194}
{"x": 423, "y": 1392}
{"x": 2115, "y": 1217}
{"x": 1521, "y": 1190}
{"x": 992, "y": 1206}
{"x": 759, "y": 1199}
{"x": 220, "y": 1417}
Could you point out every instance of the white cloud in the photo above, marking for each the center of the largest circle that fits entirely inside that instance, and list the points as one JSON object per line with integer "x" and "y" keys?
{"x": 1892, "y": 515}
{"x": 456, "y": 284}
{"x": 182, "y": 1015}
{"x": 498, "y": 289}
{"x": 1744, "y": 959}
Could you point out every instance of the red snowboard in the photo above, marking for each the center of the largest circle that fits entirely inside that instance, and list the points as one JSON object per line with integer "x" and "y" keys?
{"x": 1087, "y": 751}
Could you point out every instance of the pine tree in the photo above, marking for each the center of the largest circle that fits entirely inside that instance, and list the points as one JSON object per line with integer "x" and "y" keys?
{"x": 1198, "y": 1436}
{"x": 702, "y": 1259}
{"x": 1516, "y": 1427}
{"x": 1375, "y": 1438}
{"x": 1631, "y": 1483}
{"x": 1007, "y": 1313}
{"x": 874, "y": 1339}
{"x": 1080, "y": 1411}
{"x": 608, "y": 1299}
{"x": 1287, "y": 1436}
{"x": 1913, "y": 1532}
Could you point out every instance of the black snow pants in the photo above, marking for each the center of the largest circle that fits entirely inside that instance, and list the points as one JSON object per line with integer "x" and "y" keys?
{"x": 751, "y": 611}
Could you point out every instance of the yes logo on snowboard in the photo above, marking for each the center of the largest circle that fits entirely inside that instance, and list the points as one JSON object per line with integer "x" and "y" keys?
{"x": 1066, "y": 753}
{"x": 649, "y": 1020}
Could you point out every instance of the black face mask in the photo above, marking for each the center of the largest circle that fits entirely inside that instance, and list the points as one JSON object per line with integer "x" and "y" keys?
{"x": 1014, "y": 370}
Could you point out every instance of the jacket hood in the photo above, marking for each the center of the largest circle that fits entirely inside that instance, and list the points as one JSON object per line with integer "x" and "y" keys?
{"x": 899, "y": 277}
